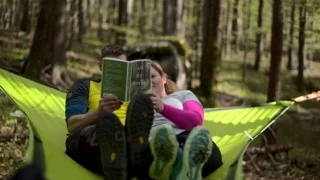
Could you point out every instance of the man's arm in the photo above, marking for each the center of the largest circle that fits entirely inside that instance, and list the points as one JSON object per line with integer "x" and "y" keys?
{"x": 78, "y": 121}
{"x": 77, "y": 114}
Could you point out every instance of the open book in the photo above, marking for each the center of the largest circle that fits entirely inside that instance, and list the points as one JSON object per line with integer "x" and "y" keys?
{"x": 125, "y": 79}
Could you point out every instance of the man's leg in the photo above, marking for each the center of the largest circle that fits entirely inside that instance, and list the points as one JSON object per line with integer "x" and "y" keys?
{"x": 139, "y": 121}
{"x": 112, "y": 140}
{"x": 83, "y": 148}
{"x": 28, "y": 172}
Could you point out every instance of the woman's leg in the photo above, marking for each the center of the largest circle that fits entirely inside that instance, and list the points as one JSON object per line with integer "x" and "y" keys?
{"x": 214, "y": 161}
{"x": 164, "y": 149}
{"x": 200, "y": 140}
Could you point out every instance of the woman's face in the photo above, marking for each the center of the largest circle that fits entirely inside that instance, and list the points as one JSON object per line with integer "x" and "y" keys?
{"x": 158, "y": 82}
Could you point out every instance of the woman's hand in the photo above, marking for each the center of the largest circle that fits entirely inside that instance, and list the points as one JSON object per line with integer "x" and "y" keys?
{"x": 109, "y": 103}
{"x": 157, "y": 102}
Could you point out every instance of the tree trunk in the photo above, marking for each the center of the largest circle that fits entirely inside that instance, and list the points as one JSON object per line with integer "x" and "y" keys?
{"x": 302, "y": 26}
{"x": 6, "y": 14}
{"x": 290, "y": 50}
{"x": 111, "y": 17}
{"x": 89, "y": 12}
{"x": 228, "y": 29}
{"x": 210, "y": 46}
{"x": 2, "y": 10}
{"x": 276, "y": 51}
{"x": 236, "y": 24}
{"x": 25, "y": 25}
{"x": 129, "y": 12}
{"x": 122, "y": 23}
{"x": 259, "y": 43}
{"x": 142, "y": 20}
{"x": 155, "y": 14}
{"x": 74, "y": 28}
{"x": 274, "y": 85}
{"x": 12, "y": 13}
{"x": 100, "y": 19}
{"x": 81, "y": 21}
{"x": 246, "y": 42}
{"x": 192, "y": 35}
{"x": 170, "y": 17}
{"x": 197, "y": 30}
{"x": 181, "y": 12}
{"x": 59, "y": 61}
{"x": 48, "y": 46}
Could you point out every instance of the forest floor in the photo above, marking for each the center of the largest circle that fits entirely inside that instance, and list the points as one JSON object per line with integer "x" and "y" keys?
{"x": 300, "y": 126}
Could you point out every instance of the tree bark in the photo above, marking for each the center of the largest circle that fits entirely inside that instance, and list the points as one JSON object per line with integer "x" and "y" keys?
{"x": 81, "y": 21}
{"x": 155, "y": 14}
{"x": 276, "y": 51}
{"x": 142, "y": 20}
{"x": 195, "y": 44}
{"x": 181, "y": 12}
{"x": 59, "y": 61}
{"x": 236, "y": 24}
{"x": 6, "y": 14}
{"x": 210, "y": 46}
{"x": 302, "y": 26}
{"x": 228, "y": 29}
{"x": 12, "y": 13}
{"x": 290, "y": 50}
{"x": 246, "y": 32}
{"x": 111, "y": 17}
{"x": 89, "y": 12}
{"x": 100, "y": 19}
{"x": 129, "y": 12}
{"x": 2, "y": 10}
{"x": 259, "y": 43}
{"x": 122, "y": 22}
{"x": 25, "y": 25}
{"x": 48, "y": 46}
{"x": 170, "y": 18}
{"x": 74, "y": 28}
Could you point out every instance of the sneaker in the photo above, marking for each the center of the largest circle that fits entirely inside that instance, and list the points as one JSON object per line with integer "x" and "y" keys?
{"x": 111, "y": 137}
{"x": 197, "y": 150}
{"x": 139, "y": 121}
{"x": 164, "y": 149}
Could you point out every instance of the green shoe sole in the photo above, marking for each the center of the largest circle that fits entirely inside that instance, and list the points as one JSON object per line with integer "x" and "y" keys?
{"x": 196, "y": 152}
{"x": 164, "y": 150}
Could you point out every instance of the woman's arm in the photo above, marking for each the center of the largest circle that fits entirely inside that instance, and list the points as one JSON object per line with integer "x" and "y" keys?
{"x": 191, "y": 116}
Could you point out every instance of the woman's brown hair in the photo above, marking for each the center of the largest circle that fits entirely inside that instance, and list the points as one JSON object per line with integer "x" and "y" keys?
{"x": 169, "y": 86}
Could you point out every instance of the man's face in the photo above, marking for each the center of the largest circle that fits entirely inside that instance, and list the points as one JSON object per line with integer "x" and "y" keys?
{"x": 122, "y": 57}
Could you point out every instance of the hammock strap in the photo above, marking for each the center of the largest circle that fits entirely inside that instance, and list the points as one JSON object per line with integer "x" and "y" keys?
{"x": 306, "y": 97}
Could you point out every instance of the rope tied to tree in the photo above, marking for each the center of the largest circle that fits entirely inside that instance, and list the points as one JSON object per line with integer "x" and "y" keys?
{"x": 314, "y": 95}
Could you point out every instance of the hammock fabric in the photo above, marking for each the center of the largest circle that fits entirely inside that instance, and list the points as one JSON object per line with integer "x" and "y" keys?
{"x": 231, "y": 128}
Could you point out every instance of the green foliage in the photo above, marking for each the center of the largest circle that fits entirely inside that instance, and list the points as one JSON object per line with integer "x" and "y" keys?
{"x": 230, "y": 82}
{"x": 16, "y": 54}
{"x": 13, "y": 137}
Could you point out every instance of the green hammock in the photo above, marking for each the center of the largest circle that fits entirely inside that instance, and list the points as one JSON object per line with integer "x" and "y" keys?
{"x": 231, "y": 128}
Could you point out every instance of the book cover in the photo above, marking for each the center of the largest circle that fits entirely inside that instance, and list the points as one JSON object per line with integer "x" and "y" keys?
{"x": 125, "y": 79}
